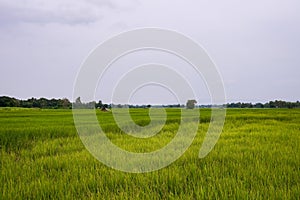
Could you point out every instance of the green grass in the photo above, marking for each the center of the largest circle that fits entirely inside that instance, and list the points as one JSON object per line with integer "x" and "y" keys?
{"x": 256, "y": 157}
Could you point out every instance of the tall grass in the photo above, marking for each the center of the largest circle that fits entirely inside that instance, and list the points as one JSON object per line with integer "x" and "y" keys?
{"x": 256, "y": 157}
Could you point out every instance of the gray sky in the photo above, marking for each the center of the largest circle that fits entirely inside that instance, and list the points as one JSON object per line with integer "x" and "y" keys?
{"x": 255, "y": 44}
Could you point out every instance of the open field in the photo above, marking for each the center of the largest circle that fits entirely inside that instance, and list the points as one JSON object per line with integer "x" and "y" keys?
{"x": 256, "y": 157}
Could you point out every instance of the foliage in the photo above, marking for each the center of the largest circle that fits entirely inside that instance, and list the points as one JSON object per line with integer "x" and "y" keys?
{"x": 65, "y": 103}
{"x": 190, "y": 104}
{"x": 256, "y": 157}
{"x": 35, "y": 103}
{"x": 270, "y": 104}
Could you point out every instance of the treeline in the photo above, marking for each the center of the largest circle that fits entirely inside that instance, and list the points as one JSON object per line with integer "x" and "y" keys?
{"x": 270, "y": 104}
{"x": 35, "y": 103}
{"x": 6, "y": 101}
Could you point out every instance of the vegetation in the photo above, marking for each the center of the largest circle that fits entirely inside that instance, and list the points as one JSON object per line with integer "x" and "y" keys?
{"x": 256, "y": 157}
{"x": 270, "y": 104}
{"x": 35, "y": 103}
{"x": 190, "y": 104}
{"x": 65, "y": 103}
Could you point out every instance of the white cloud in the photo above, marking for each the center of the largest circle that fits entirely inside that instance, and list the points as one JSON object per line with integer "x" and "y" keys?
{"x": 62, "y": 11}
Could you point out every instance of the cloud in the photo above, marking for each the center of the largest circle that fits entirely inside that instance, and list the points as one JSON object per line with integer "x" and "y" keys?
{"x": 43, "y": 11}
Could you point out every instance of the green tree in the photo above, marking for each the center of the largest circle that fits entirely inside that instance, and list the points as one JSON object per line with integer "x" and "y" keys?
{"x": 66, "y": 103}
{"x": 99, "y": 104}
{"x": 9, "y": 102}
{"x": 190, "y": 104}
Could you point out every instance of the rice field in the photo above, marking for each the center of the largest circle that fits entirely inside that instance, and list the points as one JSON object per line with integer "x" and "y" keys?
{"x": 256, "y": 157}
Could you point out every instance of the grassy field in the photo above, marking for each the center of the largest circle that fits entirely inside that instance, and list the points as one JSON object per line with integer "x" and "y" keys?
{"x": 256, "y": 157}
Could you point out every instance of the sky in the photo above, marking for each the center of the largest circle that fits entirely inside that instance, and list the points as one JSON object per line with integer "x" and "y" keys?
{"x": 254, "y": 44}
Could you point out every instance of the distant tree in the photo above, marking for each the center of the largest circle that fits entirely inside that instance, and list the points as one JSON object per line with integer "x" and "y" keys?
{"x": 90, "y": 105}
{"x": 35, "y": 103}
{"x": 266, "y": 105}
{"x": 25, "y": 104}
{"x": 53, "y": 103}
{"x": 246, "y": 105}
{"x": 259, "y": 105}
{"x": 78, "y": 101}
{"x": 99, "y": 104}
{"x": 66, "y": 103}
{"x": 190, "y": 104}
{"x": 297, "y": 104}
{"x": 43, "y": 102}
{"x": 272, "y": 104}
{"x": 30, "y": 102}
{"x": 290, "y": 105}
{"x": 9, "y": 102}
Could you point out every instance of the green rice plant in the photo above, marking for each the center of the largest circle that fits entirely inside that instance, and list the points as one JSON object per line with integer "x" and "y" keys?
{"x": 256, "y": 157}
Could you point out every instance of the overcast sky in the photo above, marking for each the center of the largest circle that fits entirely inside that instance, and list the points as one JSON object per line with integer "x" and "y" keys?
{"x": 255, "y": 44}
